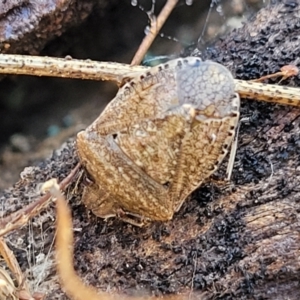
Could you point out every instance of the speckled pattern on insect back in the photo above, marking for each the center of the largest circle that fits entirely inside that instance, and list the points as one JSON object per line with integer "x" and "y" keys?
{"x": 164, "y": 133}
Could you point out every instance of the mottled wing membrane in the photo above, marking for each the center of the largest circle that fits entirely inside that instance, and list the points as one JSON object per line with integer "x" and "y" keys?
{"x": 202, "y": 151}
{"x": 210, "y": 89}
{"x": 206, "y": 84}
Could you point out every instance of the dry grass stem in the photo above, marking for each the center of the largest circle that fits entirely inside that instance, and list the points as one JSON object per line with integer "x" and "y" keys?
{"x": 21, "y": 217}
{"x": 156, "y": 25}
{"x": 117, "y": 72}
{"x": 66, "y": 68}
{"x": 7, "y": 287}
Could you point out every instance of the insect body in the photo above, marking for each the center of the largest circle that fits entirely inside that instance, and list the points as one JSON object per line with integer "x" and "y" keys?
{"x": 164, "y": 133}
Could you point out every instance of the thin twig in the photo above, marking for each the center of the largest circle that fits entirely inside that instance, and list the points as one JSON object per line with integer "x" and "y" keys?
{"x": 22, "y": 289}
{"x": 11, "y": 262}
{"x": 155, "y": 27}
{"x": 93, "y": 70}
{"x": 21, "y": 217}
{"x": 72, "y": 284}
{"x": 67, "y": 68}
{"x": 285, "y": 71}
